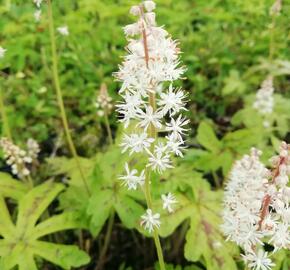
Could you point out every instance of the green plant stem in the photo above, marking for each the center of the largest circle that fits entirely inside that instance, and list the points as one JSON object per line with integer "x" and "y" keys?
{"x": 6, "y": 128}
{"x": 60, "y": 98}
{"x": 155, "y": 234}
{"x": 101, "y": 259}
{"x": 216, "y": 179}
{"x": 109, "y": 131}
{"x": 148, "y": 197}
{"x": 272, "y": 38}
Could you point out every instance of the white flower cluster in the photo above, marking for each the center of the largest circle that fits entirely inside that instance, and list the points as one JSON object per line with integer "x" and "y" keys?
{"x": 37, "y": 13}
{"x": 264, "y": 102}
{"x": 257, "y": 206}
{"x": 16, "y": 158}
{"x": 276, "y": 8}
{"x": 152, "y": 62}
{"x": 33, "y": 148}
{"x": 63, "y": 30}
{"x": 104, "y": 101}
{"x": 2, "y": 52}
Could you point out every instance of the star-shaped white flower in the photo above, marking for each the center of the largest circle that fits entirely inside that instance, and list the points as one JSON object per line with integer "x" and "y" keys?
{"x": 168, "y": 201}
{"x": 131, "y": 179}
{"x": 136, "y": 143}
{"x": 172, "y": 101}
{"x": 176, "y": 126}
{"x": 63, "y": 30}
{"x": 129, "y": 108}
{"x": 159, "y": 162}
{"x": 2, "y": 52}
{"x": 175, "y": 145}
{"x": 150, "y": 220}
{"x": 259, "y": 261}
{"x": 149, "y": 117}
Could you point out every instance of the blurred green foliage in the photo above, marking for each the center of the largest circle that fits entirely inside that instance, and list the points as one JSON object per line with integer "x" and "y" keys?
{"x": 225, "y": 48}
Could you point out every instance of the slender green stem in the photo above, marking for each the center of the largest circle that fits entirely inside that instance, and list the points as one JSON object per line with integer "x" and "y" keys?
{"x": 6, "y": 128}
{"x": 60, "y": 98}
{"x": 101, "y": 259}
{"x": 109, "y": 131}
{"x": 216, "y": 179}
{"x": 153, "y": 134}
{"x": 272, "y": 38}
{"x": 155, "y": 234}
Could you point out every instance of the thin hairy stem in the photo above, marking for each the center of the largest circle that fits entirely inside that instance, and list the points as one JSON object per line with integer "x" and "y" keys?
{"x": 108, "y": 127}
{"x": 101, "y": 259}
{"x": 6, "y": 129}
{"x": 272, "y": 38}
{"x": 60, "y": 98}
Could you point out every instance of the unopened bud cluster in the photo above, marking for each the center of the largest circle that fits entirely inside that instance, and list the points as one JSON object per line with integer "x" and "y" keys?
{"x": 33, "y": 148}
{"x": 18, "y": 158}
{"x": 276, "y": 8}
{"x": 257, "y": 206}
{"x": 151, "y": 103}
{"x": 104, "y": 103}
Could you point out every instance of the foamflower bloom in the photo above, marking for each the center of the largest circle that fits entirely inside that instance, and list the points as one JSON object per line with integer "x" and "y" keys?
{"x": 256, "y": 206}
{"x": 264, "y": 102}
{"x": 150, "y": 104}
{"x": 37, "y": 3}
{"x": 131, "y": 179}
{"x": 37, "y": 15}
{"x": 2, "y": 52}
{"x": 258, "y": 261}
{"x": 15, "y": 157}
{"x": 150, "y": 220}
{"x": 63, "y": 30}
{"x": 168, "y": 201}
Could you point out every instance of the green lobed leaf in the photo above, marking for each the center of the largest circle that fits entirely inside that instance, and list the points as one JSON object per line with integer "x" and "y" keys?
{"x": 34, "y": 204}
{"x": 129, "y": 211}
{"x": 6, "y": 226}
{"x": 99, "y": 208}
{"x": 11, "y": 188}
{"x": 61, "y": 222}
{"x": 65, "y": 256}
{"x": 26, "y": 261}
{"x": 207, "y": 138}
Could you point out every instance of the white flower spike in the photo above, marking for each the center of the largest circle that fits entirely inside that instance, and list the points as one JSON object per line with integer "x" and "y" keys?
{"x": 152, "y": 62}
{"x": 256, "y": 206}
